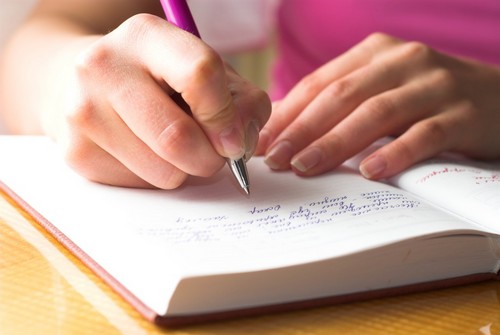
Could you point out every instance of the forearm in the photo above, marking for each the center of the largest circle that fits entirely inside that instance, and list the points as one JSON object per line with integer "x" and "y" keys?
{"x": 34, "y": 68}
{"x": 39, "y": 59}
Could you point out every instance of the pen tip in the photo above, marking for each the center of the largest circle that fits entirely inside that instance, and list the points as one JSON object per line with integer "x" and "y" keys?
{"x": 239, "y": 169}
{"x": 247, "y": 190}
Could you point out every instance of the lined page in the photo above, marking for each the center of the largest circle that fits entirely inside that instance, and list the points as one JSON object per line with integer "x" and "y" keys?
{"x": 470, "y": 189}
{"x": 149, "y": 239}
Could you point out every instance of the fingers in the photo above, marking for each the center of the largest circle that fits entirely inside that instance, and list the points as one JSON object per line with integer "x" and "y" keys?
{"x": 403, "y": 89}
{"x": 357, "y": 109}
{"x": 331, "y": 106}
{"x": 253, "y": 106}
{"x": 378, "y": 116}
{"x": 95, "y": 164}
{"x": 264, "y": 139}
{"x": 102, "y": 148}
{"x": 131, "y": 115}
{"x": 137, "y": 121}
{"x": 423, "y": 140}
{"x": 166, "y": 129}
{"x": 194, "y": 70}
{"x": 301, "y": 95}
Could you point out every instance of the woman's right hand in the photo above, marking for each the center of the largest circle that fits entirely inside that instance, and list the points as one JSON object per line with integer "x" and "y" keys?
{"x": 120, "y": 118}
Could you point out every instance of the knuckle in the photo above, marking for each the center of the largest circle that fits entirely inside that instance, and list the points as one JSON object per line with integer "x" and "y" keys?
{"x": 334, "y": 147}
{"x": 404, "y": 151}
{"x": 222, "y": 115}
{"x": 443, "y": 76}
{"x": 205, "y": 67}
{"x": 380, "y": 109}
{"x": 374, "y": 43}
{"x": 433, "y": 130}
{"x": 416, "y": 50}
{"x": 78, "y": 155}
{"x": 378, "y": 39}
{"x": 173, "y": 138}
{"x": 170, "y": 179}
{"x": 310, "y": 85}
{"x": 139, "y": 24}
{"x": 204, "y": 72}
{"x": 101, "y": 56}
{"x": 82, "y": 116}
{"x": 341, "y": 89}
{"x": 301, "y": 131}
{"x": 96, "y": 58}
{"x": 262, "y": 106}
{"x": 445, "y": 79}
{"x": 262, "y": 98}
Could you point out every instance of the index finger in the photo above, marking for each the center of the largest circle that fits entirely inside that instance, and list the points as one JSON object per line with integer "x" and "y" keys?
{"x": 308, "y": 88}
{"x": 197, "y": 72}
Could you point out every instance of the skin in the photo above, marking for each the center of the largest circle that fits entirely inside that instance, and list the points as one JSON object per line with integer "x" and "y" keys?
{"x": 117, "y": 76}
{"x": 131, "y": 98}
{"x": 431, "y": 102}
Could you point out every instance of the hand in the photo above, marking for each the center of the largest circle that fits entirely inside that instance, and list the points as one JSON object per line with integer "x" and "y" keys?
{"x": 124, "y": 122}
{"x": 383, "y": 86}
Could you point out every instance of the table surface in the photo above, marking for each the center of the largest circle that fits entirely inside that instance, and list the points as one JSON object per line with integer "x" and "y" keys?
{"x": 45, "y": 290}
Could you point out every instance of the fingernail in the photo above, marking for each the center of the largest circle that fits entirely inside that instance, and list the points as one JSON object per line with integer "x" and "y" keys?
{"x": 372, "y": 167}
{"x": 280, "y": 155}
{"x": 251, "y": 138}
{"x": 307, "y": 159}
{"x": 231, "y": 141}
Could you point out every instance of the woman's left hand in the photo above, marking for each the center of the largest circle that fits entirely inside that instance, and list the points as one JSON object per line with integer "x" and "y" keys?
{"x": 381, "y": 87}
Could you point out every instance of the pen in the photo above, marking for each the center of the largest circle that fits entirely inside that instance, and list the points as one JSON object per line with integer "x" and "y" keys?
{"x": 177, "y": 12}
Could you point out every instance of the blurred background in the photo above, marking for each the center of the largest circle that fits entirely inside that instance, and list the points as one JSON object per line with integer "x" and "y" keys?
{"x": 241, "y": 30}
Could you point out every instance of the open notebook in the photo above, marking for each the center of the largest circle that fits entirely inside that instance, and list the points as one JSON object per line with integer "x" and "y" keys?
{"x": 206, "y": 251}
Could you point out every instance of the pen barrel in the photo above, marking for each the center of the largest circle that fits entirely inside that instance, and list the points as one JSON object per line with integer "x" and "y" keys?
{"x": 178, "y": 13}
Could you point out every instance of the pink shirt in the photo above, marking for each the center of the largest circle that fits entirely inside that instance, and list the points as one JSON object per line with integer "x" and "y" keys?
{"x": 312, "y": 32}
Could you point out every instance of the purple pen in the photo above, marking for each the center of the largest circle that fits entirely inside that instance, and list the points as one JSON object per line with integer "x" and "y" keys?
{"x": 178, "y": 13}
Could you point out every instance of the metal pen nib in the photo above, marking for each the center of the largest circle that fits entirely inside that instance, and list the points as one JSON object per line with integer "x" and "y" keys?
{"x": 239, "y": 170}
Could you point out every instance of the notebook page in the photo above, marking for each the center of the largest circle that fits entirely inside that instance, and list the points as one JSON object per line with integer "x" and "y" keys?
{"x": 149, "y": 239}
{"x": 470, "y": 189}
